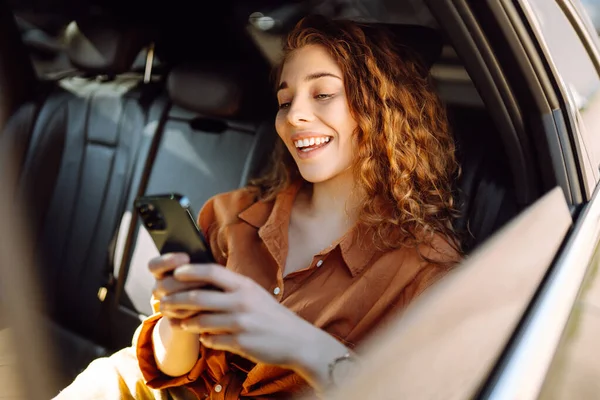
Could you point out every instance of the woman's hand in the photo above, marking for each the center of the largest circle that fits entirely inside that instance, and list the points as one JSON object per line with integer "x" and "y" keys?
{"x": 162, "y": 268}
{"x": 247, "y": 320}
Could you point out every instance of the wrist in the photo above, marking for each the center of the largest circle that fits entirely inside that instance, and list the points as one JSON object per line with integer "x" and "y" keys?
{"x": 314, "y": 360}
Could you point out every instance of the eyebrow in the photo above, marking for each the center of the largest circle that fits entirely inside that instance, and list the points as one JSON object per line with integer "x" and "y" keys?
{"x": 310, "y": 77}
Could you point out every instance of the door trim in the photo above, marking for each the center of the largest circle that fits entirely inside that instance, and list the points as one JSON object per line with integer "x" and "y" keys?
{"x": 521, "y": 372}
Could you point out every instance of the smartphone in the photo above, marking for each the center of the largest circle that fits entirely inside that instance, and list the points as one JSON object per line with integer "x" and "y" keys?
{"x": 172, "y": 226}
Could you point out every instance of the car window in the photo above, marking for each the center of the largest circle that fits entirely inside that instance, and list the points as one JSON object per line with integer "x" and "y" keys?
{"x": 578, "y": 74}
{"x": 568, "y": 53}
{"x": 43, "y": 37}
{"x": 592, "y": 8}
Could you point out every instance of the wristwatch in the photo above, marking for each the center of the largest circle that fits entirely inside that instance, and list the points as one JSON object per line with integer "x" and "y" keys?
{"x": 342, "y": 368}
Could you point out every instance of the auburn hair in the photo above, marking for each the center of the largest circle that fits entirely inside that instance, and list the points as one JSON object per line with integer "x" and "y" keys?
{"x": 406, "y": 161}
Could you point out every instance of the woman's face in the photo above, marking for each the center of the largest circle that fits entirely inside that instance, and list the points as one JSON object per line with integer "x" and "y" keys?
{"x": 314, "y": 119}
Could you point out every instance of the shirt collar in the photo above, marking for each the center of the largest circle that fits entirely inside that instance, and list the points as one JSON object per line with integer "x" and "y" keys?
{"x": 357, "y": 250}
{"x": 272, "y": 220}
{"x": 271, "y": 213}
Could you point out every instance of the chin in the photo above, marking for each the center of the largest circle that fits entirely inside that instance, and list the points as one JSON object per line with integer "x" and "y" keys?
{"x": 316, "y": 176}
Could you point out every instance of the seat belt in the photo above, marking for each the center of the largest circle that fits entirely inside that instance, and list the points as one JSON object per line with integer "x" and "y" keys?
{"x": 491, "y": 196}
{"x": 111, "y": 293}
{"x": 262, "y": 147}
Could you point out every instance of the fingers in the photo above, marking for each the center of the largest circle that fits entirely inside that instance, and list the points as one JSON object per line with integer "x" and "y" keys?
{"x": 162, "y": 265}
{"x": 169, "y": 285}
{"x": 216, "y": 323}
{"x": 179, "y": 315}
{"x": 212, "y": 274}
{"x": 225, "y": 342}
{"x": 199, "y": 300}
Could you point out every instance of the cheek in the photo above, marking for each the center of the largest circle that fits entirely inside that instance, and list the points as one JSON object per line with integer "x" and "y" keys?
{"x": 337, "y": 113}
{"x": 345, "y": 125}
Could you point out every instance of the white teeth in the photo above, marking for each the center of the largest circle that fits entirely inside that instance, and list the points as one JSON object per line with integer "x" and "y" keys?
{"x": 311, "y": 141}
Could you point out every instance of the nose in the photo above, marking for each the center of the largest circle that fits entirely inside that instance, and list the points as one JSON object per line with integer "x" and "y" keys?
{"x": 300, "y": 112}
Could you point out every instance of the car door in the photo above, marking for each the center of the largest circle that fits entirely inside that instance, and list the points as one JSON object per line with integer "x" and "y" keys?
{"x": 551, "y": 51}
{"x": 555, "y": 348}
{"x": 554, "y": 51}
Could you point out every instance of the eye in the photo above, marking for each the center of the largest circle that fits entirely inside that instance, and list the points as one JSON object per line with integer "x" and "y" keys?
{"x": 323, "y": 96}
{"x": 284, "y": 105}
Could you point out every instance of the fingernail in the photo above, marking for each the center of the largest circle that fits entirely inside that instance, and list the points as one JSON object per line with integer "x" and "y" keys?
{"x": 182, "y": 258}
{"x": 182, "y": 270}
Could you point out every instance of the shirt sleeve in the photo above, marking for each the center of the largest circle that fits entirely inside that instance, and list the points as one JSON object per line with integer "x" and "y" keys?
{"x": 142, "y": 340}
{"x": 153, "y": 376}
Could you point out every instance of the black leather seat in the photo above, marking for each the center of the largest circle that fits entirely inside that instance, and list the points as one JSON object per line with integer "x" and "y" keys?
{"x": 486, "y": 194}
{"x": 78, "y": 147}
{"x": 213, "y": 140}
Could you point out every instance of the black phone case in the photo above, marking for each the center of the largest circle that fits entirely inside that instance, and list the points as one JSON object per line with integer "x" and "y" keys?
{"x": 172, "y": 226}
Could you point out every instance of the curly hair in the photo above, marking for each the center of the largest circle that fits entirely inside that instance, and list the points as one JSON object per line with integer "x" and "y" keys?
{"x": 406, "y": 160}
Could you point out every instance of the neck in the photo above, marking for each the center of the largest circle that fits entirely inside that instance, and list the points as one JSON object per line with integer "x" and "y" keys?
{"x": 335, "y": 199}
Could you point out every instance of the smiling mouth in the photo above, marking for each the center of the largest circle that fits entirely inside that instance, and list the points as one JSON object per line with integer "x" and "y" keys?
{"x": 310, "y": 144}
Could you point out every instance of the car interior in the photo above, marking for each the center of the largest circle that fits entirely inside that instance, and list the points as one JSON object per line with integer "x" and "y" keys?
{"x": 126, "y": 101}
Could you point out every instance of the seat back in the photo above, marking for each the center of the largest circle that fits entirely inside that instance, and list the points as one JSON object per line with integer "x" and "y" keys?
{"x": 209, "y": 144}
{"x": 485, "y": 190}
{"x": 82, "y": 142}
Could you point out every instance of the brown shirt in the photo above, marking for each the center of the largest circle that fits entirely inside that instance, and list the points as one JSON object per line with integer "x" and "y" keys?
{"x": 348, "y": 290}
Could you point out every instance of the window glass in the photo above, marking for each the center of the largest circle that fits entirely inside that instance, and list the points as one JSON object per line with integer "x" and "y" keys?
{"x": 568, "y": 53}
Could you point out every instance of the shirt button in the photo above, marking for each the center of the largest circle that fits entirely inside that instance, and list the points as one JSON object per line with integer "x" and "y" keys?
{"x": 218, "y": 388}
{"x": 319, "y": 263}
{"x": 276, "y": 291}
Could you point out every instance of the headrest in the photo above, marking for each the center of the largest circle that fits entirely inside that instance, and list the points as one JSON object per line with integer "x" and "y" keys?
{"x": 214, "y": 90}
{"x": 426, "y": 43}
{"x": 100, "y": 46}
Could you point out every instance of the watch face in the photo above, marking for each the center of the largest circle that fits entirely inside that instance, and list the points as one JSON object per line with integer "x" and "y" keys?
{"x": 342, "y": 369}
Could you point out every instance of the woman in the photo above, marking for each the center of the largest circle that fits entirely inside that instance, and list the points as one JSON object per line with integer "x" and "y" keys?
{"x": 353, "y": 221}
